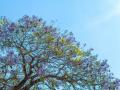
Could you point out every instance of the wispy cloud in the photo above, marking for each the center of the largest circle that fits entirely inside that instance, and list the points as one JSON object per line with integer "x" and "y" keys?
{"x": 105, "y": 17}
{"x": 116, "y": 10}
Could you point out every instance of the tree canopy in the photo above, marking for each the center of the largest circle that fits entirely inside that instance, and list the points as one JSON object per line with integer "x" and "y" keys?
{"x": 36, "y": 56}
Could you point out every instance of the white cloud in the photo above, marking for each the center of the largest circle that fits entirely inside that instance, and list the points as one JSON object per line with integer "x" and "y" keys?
{"x": 109, "y": 14}
{"x": 116, "y": 10}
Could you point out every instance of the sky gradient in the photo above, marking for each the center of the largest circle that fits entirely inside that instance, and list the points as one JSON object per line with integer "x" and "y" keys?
{"x": 94, "y": 22}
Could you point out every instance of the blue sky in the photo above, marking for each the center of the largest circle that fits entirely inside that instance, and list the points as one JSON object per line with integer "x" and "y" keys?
{"x": 94, "y": 22}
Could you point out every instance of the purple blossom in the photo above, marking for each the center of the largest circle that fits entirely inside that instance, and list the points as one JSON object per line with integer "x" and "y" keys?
{"x": 28, "y": 59}
{"x": 40, "y": 71}
{"x": 11, "y": 27}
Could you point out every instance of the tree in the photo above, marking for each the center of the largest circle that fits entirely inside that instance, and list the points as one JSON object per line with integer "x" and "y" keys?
{"x": 34, "y": 56}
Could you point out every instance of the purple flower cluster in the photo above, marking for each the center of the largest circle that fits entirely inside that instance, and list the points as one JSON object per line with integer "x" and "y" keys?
{"x": 29, "y": 22}
{"x": 40, "y": 71}
{"x": 11, "y": 27}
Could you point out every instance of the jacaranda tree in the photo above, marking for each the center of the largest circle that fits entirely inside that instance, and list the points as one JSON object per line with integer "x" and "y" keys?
{"x": 35, "y": 56}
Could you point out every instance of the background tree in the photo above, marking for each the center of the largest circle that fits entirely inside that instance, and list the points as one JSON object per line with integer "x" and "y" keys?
{"x": 36, "y": 56}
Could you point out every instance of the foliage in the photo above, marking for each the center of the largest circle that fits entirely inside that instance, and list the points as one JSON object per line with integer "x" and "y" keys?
{"x": 34, "y": 55}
